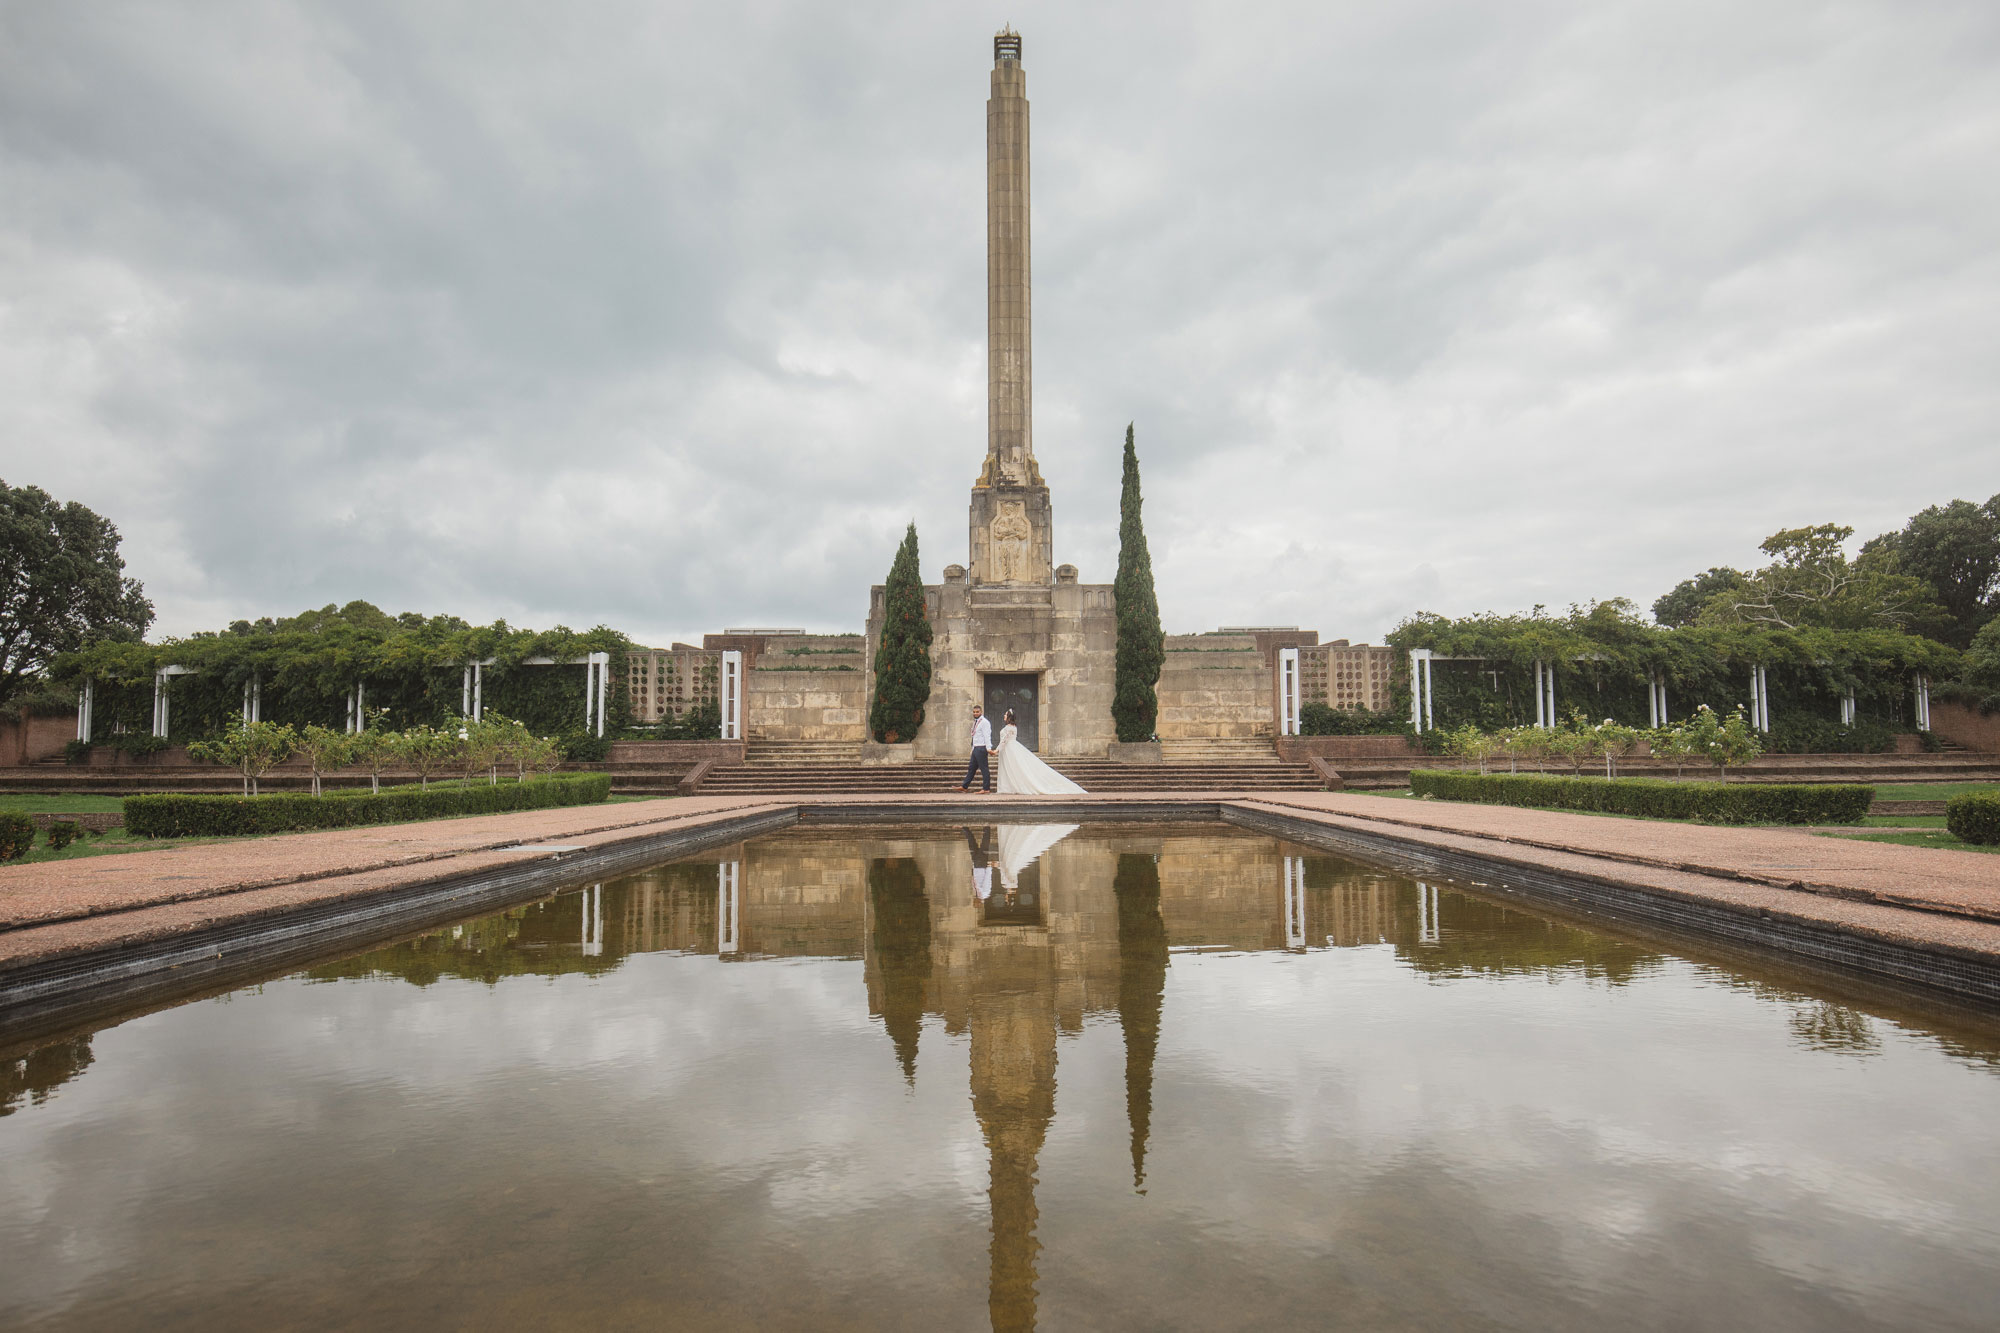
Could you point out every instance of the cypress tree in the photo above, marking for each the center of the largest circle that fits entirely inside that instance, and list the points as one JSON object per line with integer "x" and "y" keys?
{"x": 1142, "y": 644}
{"x": 903, "y": 658}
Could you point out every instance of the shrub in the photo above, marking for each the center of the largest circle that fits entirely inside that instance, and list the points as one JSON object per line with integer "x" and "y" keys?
{"x": 1803, "y": 733}
{"x": 580, "y": 747}
{"x": 1974, "y": 817}
{"x": 138, "y": 744}
{"x": 76, "y": 752}
{"x": 1708, "y": 802}
{"x": 62, "y": 832}
{"x": 1317, "y": 719}
{"x": 17, "y": 835}
{"x": 178, "y": 816}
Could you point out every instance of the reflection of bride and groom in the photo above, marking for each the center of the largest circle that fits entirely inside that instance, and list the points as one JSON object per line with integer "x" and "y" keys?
{"x": 1020, "y": 770}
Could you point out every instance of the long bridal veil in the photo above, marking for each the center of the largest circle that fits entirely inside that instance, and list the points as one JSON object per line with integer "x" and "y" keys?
{"x": 1021, "y": 770}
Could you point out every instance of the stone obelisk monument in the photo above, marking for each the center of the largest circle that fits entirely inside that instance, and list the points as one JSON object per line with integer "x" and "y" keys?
{"x": 1010, "y": 528}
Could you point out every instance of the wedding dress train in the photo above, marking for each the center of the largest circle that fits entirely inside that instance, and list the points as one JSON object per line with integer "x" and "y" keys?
{"x": 1019, "y": 770}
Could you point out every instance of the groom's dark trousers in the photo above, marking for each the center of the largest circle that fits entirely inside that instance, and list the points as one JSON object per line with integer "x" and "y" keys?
{"x": 980, "y": 766}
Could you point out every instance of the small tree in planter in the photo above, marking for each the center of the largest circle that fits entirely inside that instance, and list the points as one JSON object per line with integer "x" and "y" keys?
{"x": 1469, "y": 742}
{"x": 1615, "y": 741}
{"x": 1572, "y": 744}
{"x": 375, "y": 749}
{"x": 251, "y": 748}
{"x": 544, "y": 754}
{"x": 427, "y": 749}
{"x": 1722, "y": 741}
{"x": 482, "y": 744}
{"x": 326, "y": 750}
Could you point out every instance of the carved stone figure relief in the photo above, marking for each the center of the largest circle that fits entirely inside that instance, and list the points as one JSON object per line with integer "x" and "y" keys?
{"x": 1008, "y": 539}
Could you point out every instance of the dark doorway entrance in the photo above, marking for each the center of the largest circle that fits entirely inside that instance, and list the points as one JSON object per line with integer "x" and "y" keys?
{"x": 1018, "y": 693}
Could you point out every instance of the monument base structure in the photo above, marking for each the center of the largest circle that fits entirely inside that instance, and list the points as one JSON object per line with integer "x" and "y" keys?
{"x": 1048, "y": 651}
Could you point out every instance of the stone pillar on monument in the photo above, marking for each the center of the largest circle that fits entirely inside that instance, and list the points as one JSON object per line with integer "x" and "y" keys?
{"x": 1010, "y": 519}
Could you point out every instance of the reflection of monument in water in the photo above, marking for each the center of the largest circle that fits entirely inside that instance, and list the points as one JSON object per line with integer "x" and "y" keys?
{"x": 1009, "y": 937}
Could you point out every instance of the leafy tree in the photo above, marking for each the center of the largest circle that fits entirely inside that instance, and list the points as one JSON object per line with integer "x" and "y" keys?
{"x": 375, "y": 748}
{"x": 427, "y": 749}
{"x": 1142, "y": 644}
{"x": 1982, "y": 667}
{"x": 1682, "y": 605}
{"x": 1469, "y": 742}
{"x": 1954, "y": 550}
{"x": 326, "y": 750}
{"x": 903, "y": 659}
{"x": 1722, "y": 741}
{"x": 62, "y": 584}
{"x": 1811, "y": 582}
{"x": 251, "y": 748}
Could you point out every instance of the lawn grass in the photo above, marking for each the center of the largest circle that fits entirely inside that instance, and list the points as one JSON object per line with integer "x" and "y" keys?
{"x": 111, "y": 842}
{"x": 61, "y": 803}
{"x": 1928, "y": 791}
{"x": 1903, "y": 821}
{"x": 1915, "y": 838}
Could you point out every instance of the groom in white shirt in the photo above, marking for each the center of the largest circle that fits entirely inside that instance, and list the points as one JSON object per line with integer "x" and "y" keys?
{"x": 982, "y": 742}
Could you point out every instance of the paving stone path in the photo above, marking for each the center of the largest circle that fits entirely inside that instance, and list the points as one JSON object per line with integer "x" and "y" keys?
{"x": 1936, "y": 898}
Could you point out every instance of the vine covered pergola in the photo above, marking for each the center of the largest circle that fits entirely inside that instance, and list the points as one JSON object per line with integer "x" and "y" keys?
{"x": 340, "y": 666}
{"x": 1500, "y": 671}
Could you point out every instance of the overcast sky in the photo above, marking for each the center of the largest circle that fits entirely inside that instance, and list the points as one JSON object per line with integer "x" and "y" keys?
{"x": 671, "y": 316}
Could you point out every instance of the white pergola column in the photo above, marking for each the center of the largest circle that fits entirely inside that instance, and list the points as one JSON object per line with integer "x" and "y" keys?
{"x": 159, "y": 703}
{"x": 1760, "y": 698}
{"x": 253, "y": 698}
{"x": 86, "y": 700}
{"x": 1288, "y": 691}
{"x": 593, "y": 921}
{"x": 1923, "y": 702}
{"x": 465, "y": 693}
{"x": 1545, "y": 693}
{"x": 1656, "y": 701}
{"x": 732, "y": 695}
{"x": 599, "y": 682}
{"x": 726, "y": 918}
{"x": 1295, "y": 902}
{"x": 1422, "y": 715}
{"x": 1847, "y": 709}
{"x": 1416, "y": 690}
{"x": 478, "y": 691}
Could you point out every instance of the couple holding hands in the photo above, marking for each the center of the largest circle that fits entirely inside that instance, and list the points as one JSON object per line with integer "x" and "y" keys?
{"x": 1021, "y": 770}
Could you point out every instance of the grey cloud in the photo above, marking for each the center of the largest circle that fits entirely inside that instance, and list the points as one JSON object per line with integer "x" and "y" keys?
{"x": 670, "y": 317}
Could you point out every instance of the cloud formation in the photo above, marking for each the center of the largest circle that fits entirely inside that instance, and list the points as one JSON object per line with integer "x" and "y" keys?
{"x": 670, "y": 317}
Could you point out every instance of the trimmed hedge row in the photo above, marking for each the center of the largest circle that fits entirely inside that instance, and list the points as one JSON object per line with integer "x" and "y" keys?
{"x": 175, "y": 816}
{"x": 1974, "y": 817}
{"x": 1708, "y": 802}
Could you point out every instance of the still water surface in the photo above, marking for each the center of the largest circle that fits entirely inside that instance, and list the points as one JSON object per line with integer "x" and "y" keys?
{"x": 1096, "y": 1078}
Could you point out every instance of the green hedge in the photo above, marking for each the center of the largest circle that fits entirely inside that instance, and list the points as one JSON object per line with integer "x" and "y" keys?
{"x": 282, "y": 812}
{"x": 1974, "y": 817}
{"x": 1708, "y": 802}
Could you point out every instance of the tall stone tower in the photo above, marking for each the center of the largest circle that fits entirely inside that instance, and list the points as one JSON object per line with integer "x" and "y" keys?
{"x": 1011, "y": 541}
{"x": 1012, "y": 629}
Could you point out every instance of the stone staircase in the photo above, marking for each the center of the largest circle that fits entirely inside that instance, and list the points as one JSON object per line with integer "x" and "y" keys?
{"x": 1098, "y": 775}
{"x": 794, "y": 754}
{"x": 1217, "y": 750}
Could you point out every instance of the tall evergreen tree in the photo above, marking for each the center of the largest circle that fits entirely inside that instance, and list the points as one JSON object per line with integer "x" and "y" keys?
{"x": 903, "y": 659}
{"x": 1142, "y": 644}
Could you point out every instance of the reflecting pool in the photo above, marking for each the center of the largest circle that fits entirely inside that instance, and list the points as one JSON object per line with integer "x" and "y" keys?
{"x": 1097, "y": 1077}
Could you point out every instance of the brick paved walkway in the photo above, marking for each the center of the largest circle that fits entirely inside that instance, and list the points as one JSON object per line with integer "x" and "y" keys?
{"x": 1935, "y": 898}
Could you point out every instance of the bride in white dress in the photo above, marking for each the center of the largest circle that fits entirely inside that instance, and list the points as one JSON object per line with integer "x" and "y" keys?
{"x": 1020, "y": 770}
